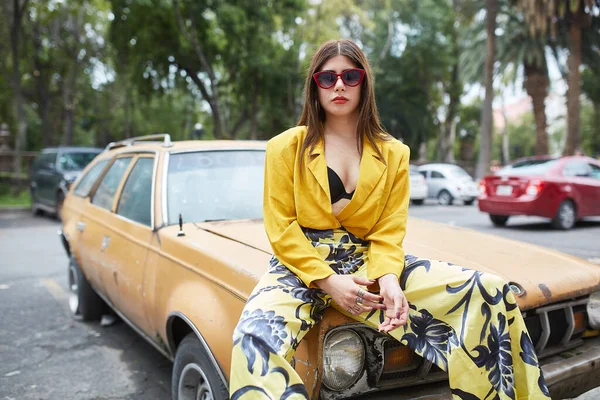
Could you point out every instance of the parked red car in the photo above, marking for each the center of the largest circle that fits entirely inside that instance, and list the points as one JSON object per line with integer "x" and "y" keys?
{"x": 564, "y": 189}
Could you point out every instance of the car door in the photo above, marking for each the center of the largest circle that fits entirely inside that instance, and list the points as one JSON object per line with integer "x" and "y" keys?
{"x": 435, "y": 183}
{"x": 425, "y": 174}
{"x": 130, "y": 233}
{"x": 579, "y": 175}
{"x": 45, "y": 173}
{"x": 95, "y": 227}
{"x": 596, "y": 182}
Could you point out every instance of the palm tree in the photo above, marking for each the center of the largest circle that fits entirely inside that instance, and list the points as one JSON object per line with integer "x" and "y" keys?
{"x": 544, "y": 15}
{"x": 517, "y": 46}
{"x": 485, "y": 151}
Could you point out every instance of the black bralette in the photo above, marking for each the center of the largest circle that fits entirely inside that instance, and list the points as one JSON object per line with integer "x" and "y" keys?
{"x": 336, "y": 187}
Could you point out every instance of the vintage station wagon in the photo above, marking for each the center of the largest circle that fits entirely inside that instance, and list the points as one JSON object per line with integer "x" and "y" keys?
{"x": 170, "y": 236}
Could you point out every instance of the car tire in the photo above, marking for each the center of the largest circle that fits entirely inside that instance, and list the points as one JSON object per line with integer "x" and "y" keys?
{"x": 84, "y": 302}
{"x": 418, "y": 202}
{"x": 499, "y": 220}
{"x": 60, "y": 200}
{"x": 445, "y": 198}
{"x": 469, "y": 202}
{"x": 194, "y": 375}
{"x": 566, "y": 216}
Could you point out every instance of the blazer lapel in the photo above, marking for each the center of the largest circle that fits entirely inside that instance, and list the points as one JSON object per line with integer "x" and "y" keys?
{"x": 318, "y": 167}
{"x": 371, "y": 171}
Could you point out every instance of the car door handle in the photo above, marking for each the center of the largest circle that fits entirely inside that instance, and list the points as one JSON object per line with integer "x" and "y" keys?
{"x": 105, "y": 243}
{"x": 80, "y": 226}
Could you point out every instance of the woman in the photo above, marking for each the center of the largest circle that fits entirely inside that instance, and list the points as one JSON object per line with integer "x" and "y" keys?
{"x": 335, "y": 206}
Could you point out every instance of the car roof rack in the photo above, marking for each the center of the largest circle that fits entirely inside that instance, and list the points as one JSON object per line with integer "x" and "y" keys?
{"x": 165, "y": 138}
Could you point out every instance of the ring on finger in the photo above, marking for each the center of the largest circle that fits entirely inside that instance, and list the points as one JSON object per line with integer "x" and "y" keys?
{"x": 360, "y": 293}
{"x": 359, "y": 300}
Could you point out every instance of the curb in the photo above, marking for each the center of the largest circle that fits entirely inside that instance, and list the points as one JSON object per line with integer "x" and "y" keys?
{"x": 14, "y": 209}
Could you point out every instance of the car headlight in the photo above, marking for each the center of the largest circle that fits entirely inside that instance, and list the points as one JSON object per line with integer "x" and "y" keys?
{"x": 343, "y": 359}
{"x": 593, "y": 310}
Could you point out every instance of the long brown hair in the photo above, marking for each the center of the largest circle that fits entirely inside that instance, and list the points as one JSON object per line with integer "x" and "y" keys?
{"x": 313, "y": 113}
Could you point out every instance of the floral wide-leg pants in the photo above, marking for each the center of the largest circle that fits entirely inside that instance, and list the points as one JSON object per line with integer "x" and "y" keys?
{"x": 466, "y": 322}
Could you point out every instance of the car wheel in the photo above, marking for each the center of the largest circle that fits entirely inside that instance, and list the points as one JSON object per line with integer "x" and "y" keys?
{"x": 499, "y": 220}
{"x": 60, "y": 200}
{"x": 194, "y": 376}
{"x": 445, "y": 198}
{"x": 417, "y": 202}
{"x": 565, "y": 216}
{"x": 84, "y": 303}
{"x": 469, "y": 202}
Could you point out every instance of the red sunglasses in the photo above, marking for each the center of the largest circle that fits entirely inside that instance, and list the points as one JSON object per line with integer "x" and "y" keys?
{"x": 350, "y": 77}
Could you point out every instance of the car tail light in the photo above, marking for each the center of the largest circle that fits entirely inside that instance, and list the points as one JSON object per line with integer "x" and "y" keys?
{"x": 534, "y": 188}
{"x": 482, "y": 187}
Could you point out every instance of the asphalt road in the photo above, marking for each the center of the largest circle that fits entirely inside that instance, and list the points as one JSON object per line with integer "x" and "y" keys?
{"x": 44, "y": 354}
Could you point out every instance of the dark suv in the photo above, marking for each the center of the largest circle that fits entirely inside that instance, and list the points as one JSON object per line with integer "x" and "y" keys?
{"x": 52, "y": 173}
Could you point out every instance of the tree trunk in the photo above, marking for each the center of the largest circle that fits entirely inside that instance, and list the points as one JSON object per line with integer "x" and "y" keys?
{"x": 536, "y": 85}
{"x": 485, "y": 141}
{"x": 69, "y": 105}
{"x": 505, "y": 137}
{"x": 15, "y": 38}
{"x": 574, "y": 81}
{"x": 42, "y": 87}
{"x": 449, "y": 130}
{"x": 254, "y": 113}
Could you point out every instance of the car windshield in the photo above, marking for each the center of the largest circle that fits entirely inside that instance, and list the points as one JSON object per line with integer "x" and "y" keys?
{"x": 76, "y": 161}
{"x": 528, "y": 167}
{"x": 458, "y": 172}
{"x": 215, "y": 185}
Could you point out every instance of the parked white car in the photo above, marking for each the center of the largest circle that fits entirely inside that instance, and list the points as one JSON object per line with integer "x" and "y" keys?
{"x": 418, "y": 186}
{"x": 449, "y": 182}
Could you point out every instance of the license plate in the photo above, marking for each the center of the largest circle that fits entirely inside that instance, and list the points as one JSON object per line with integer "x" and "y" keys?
{"x": 504, "y": 190}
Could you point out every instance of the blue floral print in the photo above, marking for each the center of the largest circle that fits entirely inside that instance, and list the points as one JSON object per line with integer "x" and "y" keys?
{"x": 260, "y": 332}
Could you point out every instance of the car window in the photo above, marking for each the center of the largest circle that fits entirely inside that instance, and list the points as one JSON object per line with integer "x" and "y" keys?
{"x": 136, "y": 196}
{"x": 87, "y": 181}
{"x": 459, "y": 172}
{"x": 531, "y": 167}
{"x": 424, "y": 173}
{"x": 436, "y": 174}
{"x": 215, "y": 185}
{"x": 45, "y": 160}
{"x": 110, "y": 183}
{"x": 75, "y": 161}
{"x": 577, "y": 168}
{"x": 595, "y": 171}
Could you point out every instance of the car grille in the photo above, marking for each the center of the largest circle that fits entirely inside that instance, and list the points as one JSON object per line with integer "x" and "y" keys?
{"x": 552, "y": 328}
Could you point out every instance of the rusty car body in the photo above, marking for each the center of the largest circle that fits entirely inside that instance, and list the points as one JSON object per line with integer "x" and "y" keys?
{"x": 155, "y": 230}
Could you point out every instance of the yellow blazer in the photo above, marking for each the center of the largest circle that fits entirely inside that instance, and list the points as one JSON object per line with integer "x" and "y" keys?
{"x": 377, "y": 211}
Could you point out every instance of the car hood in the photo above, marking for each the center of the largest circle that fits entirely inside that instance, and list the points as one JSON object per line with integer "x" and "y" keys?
{"x": 546, "y": 275}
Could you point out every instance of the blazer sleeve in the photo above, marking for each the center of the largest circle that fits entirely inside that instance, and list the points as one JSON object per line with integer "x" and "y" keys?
{"x": 386, "y": 254}
{"x": 288, "y": 241}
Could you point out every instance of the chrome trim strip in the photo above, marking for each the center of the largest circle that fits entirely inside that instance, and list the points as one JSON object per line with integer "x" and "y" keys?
{"x": 154, "y": 172}
{"x": 165, "y": 215}
{"x": 213, "y": 149}
{"x": 558, "y": 306}
{"x": 200, "y": 338}
{"x": 545, "y": 323}
{"x": 134, "y": 327}
{"x": 570, "y": 327}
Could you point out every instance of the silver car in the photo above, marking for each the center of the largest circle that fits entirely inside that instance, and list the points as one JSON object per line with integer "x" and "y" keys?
{"x": 449, "y": 182}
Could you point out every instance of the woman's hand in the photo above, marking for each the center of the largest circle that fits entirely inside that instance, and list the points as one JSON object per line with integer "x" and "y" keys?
{"x": 396, "y": 313}
{"x": 346, "y": 292}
